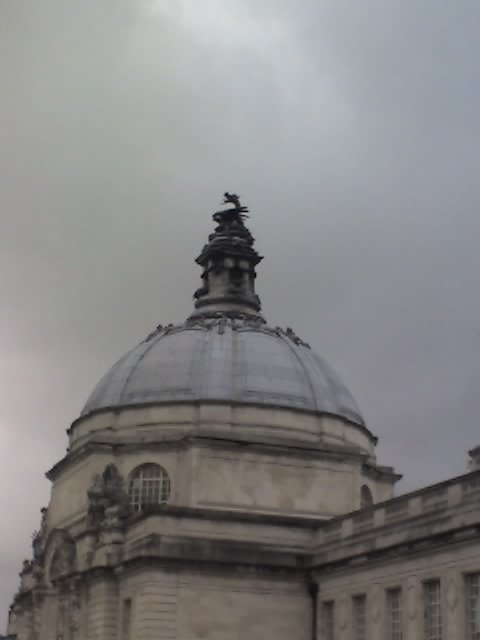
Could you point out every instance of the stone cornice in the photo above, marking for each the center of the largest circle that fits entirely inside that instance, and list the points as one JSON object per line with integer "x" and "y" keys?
{"x": 280, "y": 446}
{"x": 197, "y": 403}
{"x": 75, "y": 456}
{"x": 216, "y": 515}
{"x": 360, "y": 555}
{"x": 195, "y": 552}
{"x": 379, "y": 472}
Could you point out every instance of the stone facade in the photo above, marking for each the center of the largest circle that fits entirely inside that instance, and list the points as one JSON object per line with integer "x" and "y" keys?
{"x": 192, "y": 572}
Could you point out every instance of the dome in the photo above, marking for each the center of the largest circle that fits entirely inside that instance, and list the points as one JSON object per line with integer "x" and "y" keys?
{"x": 235, "y": 359}
{"x": 225, "y": 351}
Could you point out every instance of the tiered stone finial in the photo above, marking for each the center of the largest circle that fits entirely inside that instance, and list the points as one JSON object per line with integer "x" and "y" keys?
{"x": 228, "y": 261}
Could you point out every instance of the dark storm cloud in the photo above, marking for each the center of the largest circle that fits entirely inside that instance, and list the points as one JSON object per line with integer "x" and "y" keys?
{"x": 351, "y": 130}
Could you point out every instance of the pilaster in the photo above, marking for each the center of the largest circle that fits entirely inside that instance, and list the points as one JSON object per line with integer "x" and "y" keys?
{"x": 102, "y": 619}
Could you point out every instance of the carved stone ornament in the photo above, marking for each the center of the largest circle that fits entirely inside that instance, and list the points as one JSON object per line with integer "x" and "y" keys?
{"x": 63, "y": 560}
{"x": 39, "y": 536}
{"x": 108, "y": 504}
{"x": 26, "y": 567}
{"x": 236, "y": 214}
{"x": 220, "y": 321}
{"x": 294, "y": 338}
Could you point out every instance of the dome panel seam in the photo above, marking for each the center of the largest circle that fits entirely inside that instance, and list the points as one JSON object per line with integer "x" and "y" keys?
{"x": 135, "y": 367}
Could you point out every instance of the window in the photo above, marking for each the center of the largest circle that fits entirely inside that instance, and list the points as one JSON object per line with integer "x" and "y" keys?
{"x": 366, "y": 498}
{"x": 328, "y": 621}
{"x": 127, "y": 619}
{"x": 149, "y": 485}
{"x": 472, "y": 595}
{"x": 359, "y": 605}
{"x": 432, "y": 610}
{"x": 394, "y": 614}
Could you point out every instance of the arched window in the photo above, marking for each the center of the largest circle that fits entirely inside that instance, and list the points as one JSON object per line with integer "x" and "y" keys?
{"x": 149, "y": 485}
{"x": 366, "y": 498}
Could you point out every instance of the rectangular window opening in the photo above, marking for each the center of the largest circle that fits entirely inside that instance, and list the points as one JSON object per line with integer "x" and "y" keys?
{"x": 328, "y": 620}
{"x": 394, "y": 614}
{"x": 472, "y": 604}
{"x": 432, "y": 610}
{"x": 359, "y": 611}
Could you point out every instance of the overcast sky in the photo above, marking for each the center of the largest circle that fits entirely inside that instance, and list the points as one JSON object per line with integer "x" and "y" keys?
{"x": 351, "y": 129}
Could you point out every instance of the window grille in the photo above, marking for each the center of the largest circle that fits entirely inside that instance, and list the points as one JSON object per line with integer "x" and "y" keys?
{"x": 328, "y": 621}
{"x": 149, "y": 485}
{"x": 432, "y": 610}
{"x": 359, "y": 604}
{"x": 472, "y": 593}
{"x": 394, "y": 614}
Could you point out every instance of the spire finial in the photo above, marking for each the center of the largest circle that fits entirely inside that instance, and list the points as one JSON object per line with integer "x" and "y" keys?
{"x": 228, "y": 261}
{"x": 232, "y": 198}
{"x": 238, "y": 213}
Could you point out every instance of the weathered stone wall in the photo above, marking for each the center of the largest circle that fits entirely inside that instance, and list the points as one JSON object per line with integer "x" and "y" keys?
{"x": 49, "y": 616}
{"x": 166, "y": 605}
{"x": 189, "y": 526}
{"x": 103, "y": 610}
{"x": 194, "y": 606}
{"x": 227, "y": 480}
{"x": 277, "y": 481}
{"x": 230, "y": 609}
{"x": 409, "y": 573}
{"x": 282, "y": 484}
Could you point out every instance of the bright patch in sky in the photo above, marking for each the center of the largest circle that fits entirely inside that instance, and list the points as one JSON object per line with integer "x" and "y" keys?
{"x": 224, "y": 22}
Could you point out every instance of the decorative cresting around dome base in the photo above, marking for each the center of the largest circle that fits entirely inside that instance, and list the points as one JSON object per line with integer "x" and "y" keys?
{"x": 225, "y": 351}
{"x": 221, "y": 320}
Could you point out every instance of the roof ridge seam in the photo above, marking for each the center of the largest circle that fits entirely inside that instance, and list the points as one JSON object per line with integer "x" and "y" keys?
{"x": 150, "y": 345}
{"x": 291, "y": 347}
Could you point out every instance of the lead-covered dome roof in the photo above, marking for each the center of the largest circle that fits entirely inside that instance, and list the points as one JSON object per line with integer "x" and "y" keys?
{"x": 225, "y": 351}
{"x": 228, "y": 359}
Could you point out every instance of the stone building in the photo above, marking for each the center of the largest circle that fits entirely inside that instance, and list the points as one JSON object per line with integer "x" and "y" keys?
{"x": 221, "y": 484}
